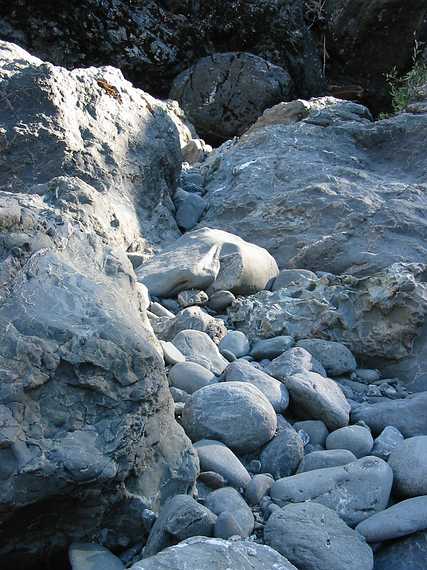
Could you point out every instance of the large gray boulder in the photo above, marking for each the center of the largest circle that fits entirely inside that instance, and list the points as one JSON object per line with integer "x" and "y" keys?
{"x": 224, "y": 93}
{"x": 275, "y": 392}
{"x": 315, "y": 397}
{"x": 191, "y": 318}
{"x": 208, "y": 259}
{"x": 236, "y": 413}
{"x": 311, "y": 187}
{"x": 355, "y": 491}
{"x": 408, "y": 552}
{"x": 217, "y": 457}
{"x": 322, "y": 459}
{"x": 216, "y": 553}
{"x": 282, "y": 455}
{"x": 407, "y": 415}
{"x": 190, "y": 376}
{"x": 357, "y": 439}
{"x": 198, "y": 347}
{"x": 313, "y": 537}
{"x": 180, "y": 518}
{"x": 409, "y": 464}
{"x": 398, "y": 520}
{"x": 83, "y": 394}
{"x": 228, "y": 500}
{"x": 335, "y": 358}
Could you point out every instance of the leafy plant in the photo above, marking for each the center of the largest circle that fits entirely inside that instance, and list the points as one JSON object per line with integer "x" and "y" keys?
{"x": 404, "y": 89}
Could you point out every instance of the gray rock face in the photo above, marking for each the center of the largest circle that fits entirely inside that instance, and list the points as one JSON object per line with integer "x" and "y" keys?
{"x": 208, "y": 259}
{"x": 197, "y": 347}
{"x": 381, "y": 321}
{"x": 317, "y": 397}
{"x": 171, "y": 354}
{"x": 228, "y": 500}
{"x": 275, "y": 392}
{"x": 409, "y": 552}
{"x": 409, "y": 464}
{"x": 215, "y": 553}
{"x": 236, "y": 413}
{"x": 278, "y": 187}
{"x": 272, "y": 347}
{"x": 86, "y": 556}
{"x": 235, "y": 342}
{"x": 226, "y": 526}
{"x": 356, "y": 439}
{"x": 190, "y": 376}
{"x": 215, "y": 456}
{"x": 398, "y": 520}
{"x": 355, "y": 491}
{"x": 325, "y": 459}
{"x": 180, "y": 518}
{"x": 407, "y": 415}
{"x": 313, "y": 537}
{"x": 389, "y": 439}
{"x": 283, "y": 454}
{"x": 335, "y": 358}
{"x": 83, "y": 393}
{"x": 223, "y": 94}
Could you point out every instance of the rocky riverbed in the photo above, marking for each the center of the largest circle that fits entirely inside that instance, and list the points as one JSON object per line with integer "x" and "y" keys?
{"x": 212, "y": 353}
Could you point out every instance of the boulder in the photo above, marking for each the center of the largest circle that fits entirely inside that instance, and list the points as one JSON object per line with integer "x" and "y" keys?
{"x": 199, "y": 552}
{"x": 224, "y": 93}
{"x": 180, "y": 518}
{"x": 220, "y": 300}
{"x": 192, "y": 297}
{"x": 335, "y": 358}
{"x": 228, "y": 500}
{"x": 198, "y": 347}
{"x": 355, "y": 491}
{"x": 87, "y": 173}
{"x": 294, "y": 361}
{"x": 236, "y": 413}
{"x": 317, "y": 397}
{"x": 215, "y": 456}
{"x": 313, "y": 537}
{"x": 324, "y": 459}
{"x": 235, "y": 342}
{"x": 356, "y": 439}
{"x": 278, "y": 187}
{"x": 398, "y": 520}
{"x": 408, "y": 552}
{"x": 409, "y": 464}
{"x": 87, "y": 556}
{"x": 389, "y": 439}
{"x": 257, "y": 488}
{"x": 271, "y": 347}
{"x": 226, "y": 526}
{"x": 275, "y": 392}
{"x": 211, "y": 260}
{"x": 297, "y": 277}
{"x": 315, "y": 429}
{"x": 407, "y": 415}
{"x": 191, "y": 318}
{"x": 171, "y": 354}
{"x": 190, "y": 376}
{"x": 189, "y": 209}
{"x": 282, "y": 455}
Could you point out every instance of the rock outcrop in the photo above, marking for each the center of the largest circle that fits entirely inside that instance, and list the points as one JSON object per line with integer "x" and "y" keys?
{"x": 324, "y": 188}
{"x": 88, "y": 437}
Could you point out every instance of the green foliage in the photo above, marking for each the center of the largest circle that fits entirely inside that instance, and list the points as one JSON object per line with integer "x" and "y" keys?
{"x": 404, "y": 89}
